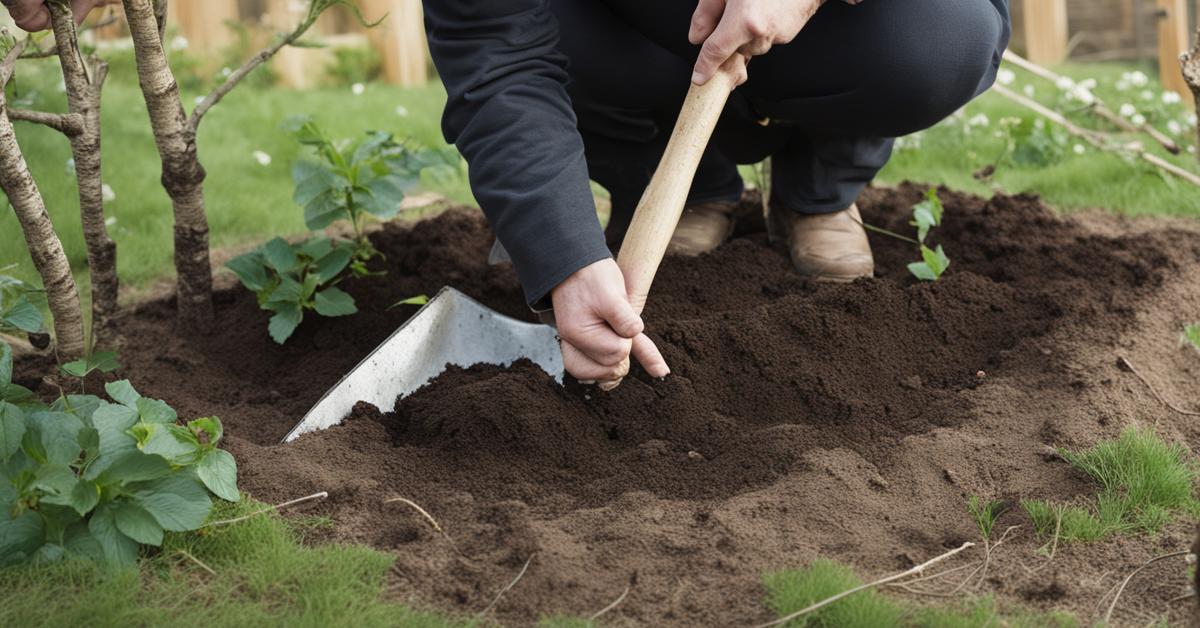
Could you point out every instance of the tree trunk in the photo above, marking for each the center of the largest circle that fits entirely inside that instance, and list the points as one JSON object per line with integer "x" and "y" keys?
{"x": 83, "y": 98}
{"x": 1191, "y": 74}
{"x": 44, "y": 245}
{"x": 182, "y": 175}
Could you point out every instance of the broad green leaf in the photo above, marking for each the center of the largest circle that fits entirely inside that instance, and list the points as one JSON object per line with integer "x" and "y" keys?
{"x": 315, "y": 248}
{"x": 289, "y": 292}
{"x": 370, "y": 146}
{"x": 12, "y": 429}
{"x": 55, "y": 479}
{"x": 323, "y": 210}
{"x": 312, "y": 180}
{"x": 59, "y": 435}
{"x": 936, "y": 259}
{"x": 305, "y": 130}
{"x": 279, "y": 255}
{"x": 383, "y": 196}
{"x": 84, "y": 496}
{"x": 178, "y": 502}
{"x": 249, "y": 269}
{"x": 25, "y": 316}
{"x": 135, "y": 466}
{"x": 335, "y": 302}
{"x": 104, "y": 361}
{"x": 20, "y": 537}
{"x": 119, "y": 550}
{"x": 123, "y": 393}
{"x": 48, "y": 553}
{"x": 921, "y": 271}
{"x": 6, "y": 365}
{"x": 16, "y": 394}
{"x": 76, "y": 368}
{"x": 78, "y": 540}
{"x": 176, "y": 444}
{"x": 308, "y": 288}
{"x": 209, "y": 426}
{"x": 113, "y": 422}
{"x": 134, "y": 522}
{"x": 155, "y": 411}
{"x": 218, "y": 471}
{"x": 332, "y": 264}
{"x": 420, "y": 299}
{"x": 284, "y": 322}
{"x": 82, "y": 406}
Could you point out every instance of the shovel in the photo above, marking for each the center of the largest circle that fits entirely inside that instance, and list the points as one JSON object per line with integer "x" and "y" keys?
{"x": 454, "y": 329}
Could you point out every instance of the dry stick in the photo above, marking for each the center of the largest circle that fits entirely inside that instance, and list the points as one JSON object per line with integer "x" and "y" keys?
{"x": 510, "y": 586}
{"x": 863, "y": 587}
{"x": 1098, "y": 107}
{"x": 1154, "y": 391}
{"x": 428, "y": 517}
{"x": 1125, "y": 583}
{"x": 188, "y": 555}
{"x": 987, "y": 556}
{"x": 615, "y": 603}
{"x": 1093, "y": 138}
{"x": 321, "y": 495}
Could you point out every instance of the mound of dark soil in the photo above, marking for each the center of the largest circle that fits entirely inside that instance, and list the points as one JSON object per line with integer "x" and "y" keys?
{"x": 845, "y": 421}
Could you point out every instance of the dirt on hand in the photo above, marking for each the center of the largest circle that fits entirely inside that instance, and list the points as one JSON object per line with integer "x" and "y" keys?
{"x": 801, "y": 420}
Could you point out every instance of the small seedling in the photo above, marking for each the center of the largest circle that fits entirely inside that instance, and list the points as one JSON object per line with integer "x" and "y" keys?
{"x": 1191, "y": 336}
{"x": 926, "y": 215}
{"x": 986, "y": 514}
{"x": 420, "y": 299}
{"x": 291, "y": 279}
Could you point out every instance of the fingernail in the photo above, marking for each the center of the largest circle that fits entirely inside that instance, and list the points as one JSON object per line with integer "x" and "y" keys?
{"x": 697, "y": 78}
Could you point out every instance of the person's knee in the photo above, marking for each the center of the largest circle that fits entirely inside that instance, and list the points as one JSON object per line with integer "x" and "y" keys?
{"x": 947, "y": 58}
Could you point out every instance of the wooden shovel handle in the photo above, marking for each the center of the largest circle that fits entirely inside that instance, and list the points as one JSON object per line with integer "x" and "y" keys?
{"x": 662, "y": 203}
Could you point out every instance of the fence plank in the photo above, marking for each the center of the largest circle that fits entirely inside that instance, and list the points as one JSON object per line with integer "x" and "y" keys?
{"x": 400, "y": 39}
{"x": 1172, "y": 42}
{"x": 1045, "y": 31}
{"x": 203, "y": 23}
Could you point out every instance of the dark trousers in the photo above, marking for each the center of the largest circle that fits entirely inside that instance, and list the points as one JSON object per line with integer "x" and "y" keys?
{"x": 855, "y": 78}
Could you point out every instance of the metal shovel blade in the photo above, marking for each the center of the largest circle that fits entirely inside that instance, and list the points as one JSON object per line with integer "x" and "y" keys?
{"x": 451, "y": 329}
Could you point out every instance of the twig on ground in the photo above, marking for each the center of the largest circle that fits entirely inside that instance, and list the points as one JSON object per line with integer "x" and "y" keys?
{"x": 1157, "y": 395}
{"x": 429, "y": 518}
{"x": 935, "y": 576}
{"x": 1094, "y": 138}
{"x": 615, "y": 603}
{"x": 321, "y": 495}
{"x": 988, "y": 547}
{"x": 188, "y": 555}
{"x": 1185, "y": 596}
{"x": 508, "y": 587}
{"x": 863, "y": 587}
{"x": 1124, "y": 583}
{"x": 1098, "y": 108}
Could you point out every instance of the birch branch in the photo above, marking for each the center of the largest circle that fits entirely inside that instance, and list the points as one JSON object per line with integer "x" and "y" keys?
{"x": 1094, "y": 138}
{"x": 1190, "y": 63}
{"x": 66, "y": 123}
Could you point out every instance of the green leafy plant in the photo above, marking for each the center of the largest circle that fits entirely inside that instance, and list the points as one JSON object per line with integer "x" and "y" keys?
{"x": 290, "y": 279}
{"x": 20, "y": 309}
{"x": 98, "y": 479}
{"x": 926, "y": 215}
{"x": 351, "y": 181}
{"x": 985, "y": 514}
{"x": 93, "y": 362}
{"x": 1191, "y": 336}
{"x": 354, "y": 64}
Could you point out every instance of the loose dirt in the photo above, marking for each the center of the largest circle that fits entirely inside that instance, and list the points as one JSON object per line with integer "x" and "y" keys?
{"x": 801, "y": 420}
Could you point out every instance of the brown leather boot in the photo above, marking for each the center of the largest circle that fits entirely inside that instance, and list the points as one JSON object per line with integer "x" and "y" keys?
{"x": 702, "y": 228}
{"x": 826, "y": 247}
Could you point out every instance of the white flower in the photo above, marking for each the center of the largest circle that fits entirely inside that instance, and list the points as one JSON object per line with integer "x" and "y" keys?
{"x": 1190, "y": 119}
{"x": 357, "y": 89}
{"x": 1088, "y": 83}
{"x": 226, "y": 71}
{"x": 1030, "y": 91}
{"x": 1147, "y": 95}
{"x": 402, "y": 111}
{"x": 979, "y": 119}
{"x": 1192, "y": 149}
{"x": 179, "y": 42}
{"x": 1065, "y": 83}
{"x": 1082, "y": 94}
{"x": 1174, "y": 128}
{"x": 110, "y": 221}
{"x": 1079, "y": 149}
{"x": 1171, "y": 98}
{"x": 1128, "y": 110}
{"x": 1138, "y": 79}
{"x": 1006, "y": 76}
{"x": 107, "y": 193}
{"x": 1138, "y": 119}
{"x": 199, "y": 99}
{"x": 262, "y": 158}
{"x": 71, "y": 166}
{"x": 1123, "y": 85}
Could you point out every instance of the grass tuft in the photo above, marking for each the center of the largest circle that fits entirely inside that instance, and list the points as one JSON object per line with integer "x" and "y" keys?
{"x": 263, "y": 576}
{"x": 986, "y": 514}
{"x": 1144, "y": 482}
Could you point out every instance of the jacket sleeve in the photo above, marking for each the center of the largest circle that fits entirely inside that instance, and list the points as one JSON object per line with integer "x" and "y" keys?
{"x": 509, "y": 114}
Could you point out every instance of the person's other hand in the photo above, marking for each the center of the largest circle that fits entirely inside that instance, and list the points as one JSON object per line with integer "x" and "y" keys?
{"x": 599, "y": 327}
{"x": 32, "y": 15}
{"x": 749, "y": 27}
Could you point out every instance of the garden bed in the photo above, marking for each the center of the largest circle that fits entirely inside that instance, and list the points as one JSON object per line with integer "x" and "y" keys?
{"x": 850, "y": 422}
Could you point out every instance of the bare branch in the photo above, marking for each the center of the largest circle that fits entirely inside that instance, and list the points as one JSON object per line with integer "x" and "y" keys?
{"x": 10, "y": 61}
{"x": 69, "y": 124}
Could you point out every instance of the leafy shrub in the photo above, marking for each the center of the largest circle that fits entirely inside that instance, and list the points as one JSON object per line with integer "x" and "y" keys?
{"x": 99, "y": 479}
{"x": 354, "y": 64}
{"x": 351, "y": 181}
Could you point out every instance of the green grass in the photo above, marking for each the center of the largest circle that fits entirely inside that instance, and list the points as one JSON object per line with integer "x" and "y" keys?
{"x": 1144, "y": 482}
{"x": 985, "y": 514}
{"x": 264, "y": 576}
{"x": 790, "y": 591}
